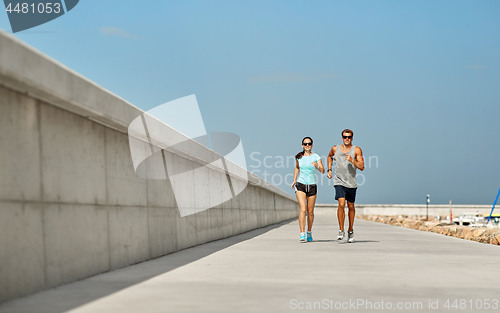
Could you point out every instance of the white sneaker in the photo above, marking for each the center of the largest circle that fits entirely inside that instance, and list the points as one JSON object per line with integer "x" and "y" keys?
{"x": 350, "y": 236}
{"x": 341, "y": 235}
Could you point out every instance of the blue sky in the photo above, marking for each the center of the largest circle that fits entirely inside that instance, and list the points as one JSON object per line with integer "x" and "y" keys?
{"x": 417, "y": 81}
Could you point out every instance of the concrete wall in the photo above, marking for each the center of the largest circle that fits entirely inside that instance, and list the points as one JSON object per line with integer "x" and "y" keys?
{"x": 71, "y": 204}
{"x": 413, "y": 209}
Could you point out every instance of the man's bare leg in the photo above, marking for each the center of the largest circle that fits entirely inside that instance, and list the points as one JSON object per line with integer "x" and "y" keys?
{"x": 352, "y": 213}
{"x": 341, "y": 213}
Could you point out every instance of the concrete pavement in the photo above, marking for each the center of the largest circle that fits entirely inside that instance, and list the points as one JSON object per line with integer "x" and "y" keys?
{"x": 268, "y": 270}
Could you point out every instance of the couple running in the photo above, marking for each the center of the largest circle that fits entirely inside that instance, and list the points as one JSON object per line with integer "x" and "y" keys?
{"x": 347, "y": 158}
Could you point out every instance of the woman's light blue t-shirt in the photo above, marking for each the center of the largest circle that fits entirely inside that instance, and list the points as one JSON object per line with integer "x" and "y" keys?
{"x": 306, "y": 173}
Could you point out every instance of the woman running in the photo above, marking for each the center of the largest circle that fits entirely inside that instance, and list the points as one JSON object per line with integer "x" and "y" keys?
{"x": 305, "y": 185}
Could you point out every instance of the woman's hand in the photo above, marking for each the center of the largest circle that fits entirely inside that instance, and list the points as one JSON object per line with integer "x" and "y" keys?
{"x": 293, "y": 185}
{"x": 314, "y": 164}
{"x": 320, "y": 167}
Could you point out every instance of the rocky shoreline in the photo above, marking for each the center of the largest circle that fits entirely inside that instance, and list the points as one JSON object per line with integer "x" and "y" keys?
{"x": 479, "y": 234}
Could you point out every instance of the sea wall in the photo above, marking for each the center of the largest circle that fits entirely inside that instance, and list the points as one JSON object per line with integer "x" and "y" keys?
{"x": 71, "y": 203}
{"x": 479, "y": 234}
{"x": 413, "y": 209}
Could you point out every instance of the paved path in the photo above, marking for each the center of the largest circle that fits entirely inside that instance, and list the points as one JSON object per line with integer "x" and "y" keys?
{"x": 268, "y": 270}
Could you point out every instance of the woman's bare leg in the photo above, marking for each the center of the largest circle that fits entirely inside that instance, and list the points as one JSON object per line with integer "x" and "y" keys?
{"x": 301, "y": 197}
{"x": 311, "y": 201}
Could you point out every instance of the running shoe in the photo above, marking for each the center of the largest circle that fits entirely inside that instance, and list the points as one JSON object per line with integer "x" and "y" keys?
{"x": 302, "y": 237}
{"x": 309, "y": 236}
{"x": 341, "y": 235}
{"x": 350, "y": 236}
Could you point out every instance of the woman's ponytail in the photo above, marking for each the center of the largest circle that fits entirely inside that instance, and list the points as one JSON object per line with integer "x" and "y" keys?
{"x": 299, "y": 155}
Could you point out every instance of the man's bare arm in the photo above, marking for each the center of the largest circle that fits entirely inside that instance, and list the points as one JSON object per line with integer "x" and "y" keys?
{"x": 330, "y": 161}
{"x": 359, "y": 161}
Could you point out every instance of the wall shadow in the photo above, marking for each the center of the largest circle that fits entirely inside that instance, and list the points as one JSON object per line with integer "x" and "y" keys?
{"x": 76, "y": 294}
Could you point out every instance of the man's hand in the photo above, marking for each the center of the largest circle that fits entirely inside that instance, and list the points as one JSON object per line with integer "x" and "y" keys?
{"x": 329, "y": 175}
{"x": 349, "y": 158}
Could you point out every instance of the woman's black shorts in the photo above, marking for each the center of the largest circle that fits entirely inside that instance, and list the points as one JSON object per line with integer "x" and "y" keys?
{"x": 309, "y": 190}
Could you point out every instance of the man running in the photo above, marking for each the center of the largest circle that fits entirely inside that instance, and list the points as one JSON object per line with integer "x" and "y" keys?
{"x": 347, "y": 158}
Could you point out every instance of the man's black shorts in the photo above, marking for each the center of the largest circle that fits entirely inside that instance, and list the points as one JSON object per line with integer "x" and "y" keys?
{"x": 343, "y": 192}
{"x": 310, "y": 190}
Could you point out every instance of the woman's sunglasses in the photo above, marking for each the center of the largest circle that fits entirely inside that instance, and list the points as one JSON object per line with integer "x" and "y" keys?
{"x": 307, "y": 144}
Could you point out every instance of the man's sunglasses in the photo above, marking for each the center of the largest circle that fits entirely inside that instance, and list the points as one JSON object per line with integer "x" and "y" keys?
{"x": 346, "y": 137}
{"x": 307, "y": 144}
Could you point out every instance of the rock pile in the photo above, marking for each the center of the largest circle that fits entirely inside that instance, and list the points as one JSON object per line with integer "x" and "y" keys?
{"x": 480, "y": 234}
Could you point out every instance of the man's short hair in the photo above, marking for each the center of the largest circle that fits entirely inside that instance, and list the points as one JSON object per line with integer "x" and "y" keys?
{"x": 347, "y": 130}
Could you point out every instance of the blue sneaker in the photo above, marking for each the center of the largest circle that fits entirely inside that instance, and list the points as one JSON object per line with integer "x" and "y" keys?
{"x": 302, "y": 237}
{"x": 309, "y": 236}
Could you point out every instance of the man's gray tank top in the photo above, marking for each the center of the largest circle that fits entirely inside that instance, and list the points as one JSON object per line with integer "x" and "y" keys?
{"x": 345, "y": 171}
